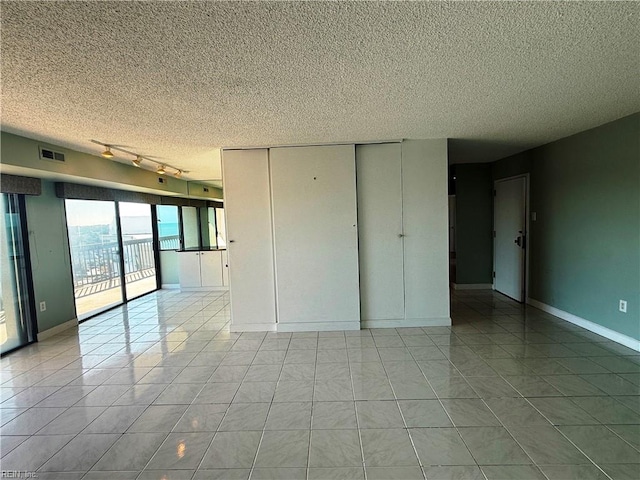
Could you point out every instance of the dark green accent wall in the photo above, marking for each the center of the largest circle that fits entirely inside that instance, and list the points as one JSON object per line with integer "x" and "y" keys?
{"x": 585, "y": 244}
{"x": 474, "y": 220}
{"x": 512, "y": 166}
{"x": 52, "y": 282}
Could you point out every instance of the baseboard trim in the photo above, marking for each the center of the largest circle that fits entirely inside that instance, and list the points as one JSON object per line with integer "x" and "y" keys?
{"x": 203, "y": 289}
{"x": 170, "y": 286}
{"x": 50, "y": 332}
{"x": 472, "y": 286}
{"x": 407, "y": 322}
{"x": 588, "y": 325}
{"x": 252, "y": 327}
{"x": 317, "y": 326}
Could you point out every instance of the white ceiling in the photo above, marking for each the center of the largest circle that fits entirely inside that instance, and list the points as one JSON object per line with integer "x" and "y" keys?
{"x": 177, "y": 80}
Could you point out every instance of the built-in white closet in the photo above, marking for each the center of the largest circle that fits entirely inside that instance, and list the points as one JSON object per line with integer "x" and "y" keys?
{"x": 247, "y": 203}
{"x": 402, "y": 214}
{"x": 313, "y": 191}
{"x": 338, "y": 237}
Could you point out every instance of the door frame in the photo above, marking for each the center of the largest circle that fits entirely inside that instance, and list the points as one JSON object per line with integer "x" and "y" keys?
{"x": 527, "y": 227}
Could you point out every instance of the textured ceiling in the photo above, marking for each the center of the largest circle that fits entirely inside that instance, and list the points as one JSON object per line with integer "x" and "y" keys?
{"x": 177, "y": 80}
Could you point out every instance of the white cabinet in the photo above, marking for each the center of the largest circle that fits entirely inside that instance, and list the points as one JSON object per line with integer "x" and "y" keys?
{"x": 315, "y": 233}
{"x": 402, "y": 214}
{"x": 225, "y": 268}
{"x": 247, "y": 206}
{"x": 189, "y": 269}
{"x": 202, "y": 270}
{"x": 211, "y": 269}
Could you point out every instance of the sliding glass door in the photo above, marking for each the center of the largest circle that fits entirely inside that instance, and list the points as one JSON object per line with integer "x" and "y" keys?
{"x": 137, "y": 246}
{"x": 95, "y": 255}
{"x": 16, "y": 314}
{"x": 112, "y": 253}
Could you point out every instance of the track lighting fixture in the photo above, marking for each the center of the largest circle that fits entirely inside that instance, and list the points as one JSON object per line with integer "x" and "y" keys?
{"x": 107, "y": 153}
{"x": 161, "y": 168}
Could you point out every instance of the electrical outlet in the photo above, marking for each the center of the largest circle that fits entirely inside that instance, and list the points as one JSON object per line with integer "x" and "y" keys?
{"x": 623, "y": 306}
{"x": 43, "y": 306}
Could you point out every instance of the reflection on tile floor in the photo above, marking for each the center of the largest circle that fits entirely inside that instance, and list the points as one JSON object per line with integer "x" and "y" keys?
{"x": 160, "y": 389}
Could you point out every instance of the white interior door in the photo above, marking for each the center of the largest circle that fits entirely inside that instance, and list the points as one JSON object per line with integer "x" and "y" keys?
{"x": 249, "y": 247}
{"x": 379, "y": 177}
{"x": 315, "y": 237}
{"x": 510, "y": 236}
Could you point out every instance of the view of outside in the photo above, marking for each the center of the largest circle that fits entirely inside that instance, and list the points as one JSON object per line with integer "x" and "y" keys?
{"x": 168, "y": 227}
{"x": 14, "y": 314}
{"x": 95, "y": 253}
{"x": 137, "y": 243}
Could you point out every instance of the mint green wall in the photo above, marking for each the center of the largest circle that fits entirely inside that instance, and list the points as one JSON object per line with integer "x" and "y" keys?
{"x": 48, "y": 244}
{"x": 585, "y": 244}
{"x": 474, "y": 213}
{"x": 20, "y": 156}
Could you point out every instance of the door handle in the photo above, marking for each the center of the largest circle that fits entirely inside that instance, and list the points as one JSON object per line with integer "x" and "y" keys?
{"x": 518, "y": 241}
{"x": 231, "y": 241}
{"x": 400, "y": 235}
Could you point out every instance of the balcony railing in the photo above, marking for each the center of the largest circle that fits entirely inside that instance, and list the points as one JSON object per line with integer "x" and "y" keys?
{"x": 101, "y": 262}
{"x": 170, "y": 243}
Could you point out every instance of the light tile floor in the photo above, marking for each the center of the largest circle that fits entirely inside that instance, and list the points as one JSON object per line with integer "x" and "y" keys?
{"x": 160, "y": 389}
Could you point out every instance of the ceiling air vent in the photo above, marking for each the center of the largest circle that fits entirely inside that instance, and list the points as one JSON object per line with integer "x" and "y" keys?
{"x": 47, "y": 154}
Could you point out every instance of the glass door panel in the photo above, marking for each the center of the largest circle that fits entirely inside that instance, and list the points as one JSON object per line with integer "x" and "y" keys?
{"x": 95, "y": 255}
{"x": 15, "y": 304}
{"x": 137, "y": 247}
{"x": 221, "y": 237}
{"x": 190, "y": 227}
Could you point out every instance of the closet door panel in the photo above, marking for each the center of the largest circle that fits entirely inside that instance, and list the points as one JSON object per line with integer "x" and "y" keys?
{"x": 425, "y": 217}
{"x": 247, "y": 206}
{"x": 379, "y": 185}
{"x": 315, "y": 236}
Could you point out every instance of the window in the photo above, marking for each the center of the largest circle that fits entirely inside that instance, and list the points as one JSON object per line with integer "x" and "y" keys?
{"x": 16, "y": 311}
{"x": 95, "y": 255}
{"x": 190, "y": 227}
{"x": 168, "y": 227}
{"x": 221, "y": 231}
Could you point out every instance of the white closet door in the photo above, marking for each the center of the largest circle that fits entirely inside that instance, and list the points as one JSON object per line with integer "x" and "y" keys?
{"x": 249, "y": 247}
{"x": 379, "y": 178}
{"x": 315, "y": 237}
{"x": 425, "y": 217}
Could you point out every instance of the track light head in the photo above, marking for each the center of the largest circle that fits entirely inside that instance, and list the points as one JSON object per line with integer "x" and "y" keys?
{"x": 178, "y": 174}
{"x": 137, "y": 161}
{"x": 107, "y": 153}
{"x": 161, "y": 170}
